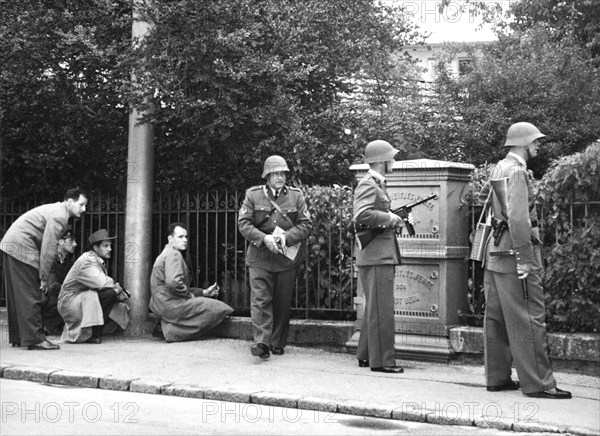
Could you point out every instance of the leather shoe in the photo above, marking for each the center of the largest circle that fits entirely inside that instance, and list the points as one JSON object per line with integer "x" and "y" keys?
{"x": 555, "y": 393}
{"x": 277, "y": 350}
{"x": 157, "y": 332}
{"x": 93, "y": 340}
{"x": 16, "y": 344}
{"x": 510, "y": 386}
{"x": 363, "y": 363}
{"x": 260, "y": 350}
{"x": 389, "y": 369}
{"x": 44, "y": 345}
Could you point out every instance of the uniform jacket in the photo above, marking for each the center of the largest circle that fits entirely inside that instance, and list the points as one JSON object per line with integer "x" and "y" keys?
{"x": 78, "y": 302}
{"x": 371, "y": 208}
{"x": 520, "y": 237}
{"x": 258, "y": 218}
{"x": 33, "y": 237}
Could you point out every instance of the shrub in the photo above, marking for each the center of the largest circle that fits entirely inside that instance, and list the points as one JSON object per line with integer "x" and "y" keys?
{"x": 326, "y": 282}
{"x": 572, "y": 229}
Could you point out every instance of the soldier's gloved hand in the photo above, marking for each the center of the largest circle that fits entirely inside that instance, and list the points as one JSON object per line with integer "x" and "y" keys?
{"x": 395, "y": 220}
{"x": 282, "y": 240}
{"x": 271, "y": 243}
{"x": 523, "y": 270}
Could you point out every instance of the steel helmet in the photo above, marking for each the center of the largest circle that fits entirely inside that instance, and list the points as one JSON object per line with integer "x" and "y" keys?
{"x": 274, "y": 164}
{"x": 522, "y": 134}
{"x": 379, "y": 151}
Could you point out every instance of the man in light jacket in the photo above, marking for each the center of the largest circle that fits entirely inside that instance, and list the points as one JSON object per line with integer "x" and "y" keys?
{"x": 89, "y": 297}
{"x": 29, "y": 250}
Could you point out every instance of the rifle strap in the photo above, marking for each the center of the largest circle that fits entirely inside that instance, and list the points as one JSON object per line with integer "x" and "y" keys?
{"x": 485, "y": 208}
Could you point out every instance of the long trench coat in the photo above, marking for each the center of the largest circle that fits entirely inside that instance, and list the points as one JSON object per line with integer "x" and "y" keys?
{"x": 78, "y": 301}
{"x": 184, "y": 313}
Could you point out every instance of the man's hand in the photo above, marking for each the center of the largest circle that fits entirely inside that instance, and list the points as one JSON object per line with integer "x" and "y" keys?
{"x": 211, "y": 291}
{"x": 395, "y": 220}
{"x": 523, "y": 270}
{"x": 121, "y": 294}
{"x": 44, "y": 287}
{"x": 282, "y": 240}
{"x": 272, "y": 243}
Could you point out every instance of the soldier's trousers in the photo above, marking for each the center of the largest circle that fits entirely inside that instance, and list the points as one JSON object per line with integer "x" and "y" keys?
{"x": 270, "y": 306}
{"x": 376, "y": 340}
{"x": 515, "y": 328}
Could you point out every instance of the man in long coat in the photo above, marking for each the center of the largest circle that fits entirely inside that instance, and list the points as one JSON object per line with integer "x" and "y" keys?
{"x": 89, "y": 297}
{"x": 185, "y": 313}
{"x": 29, "y": 249}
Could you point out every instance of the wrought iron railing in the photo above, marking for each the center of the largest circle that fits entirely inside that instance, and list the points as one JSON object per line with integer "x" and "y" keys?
{"x": 216, "y": 249}
{"x": 326, "y": 284}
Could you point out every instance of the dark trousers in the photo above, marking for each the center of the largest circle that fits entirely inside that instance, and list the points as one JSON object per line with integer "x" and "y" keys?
{"x": 24, "y": 302}
{"x": 53, "y": 322}
{"x": 376, "y": 340}
{"x": 107, "y": 298}
{"x": 270, "y": 306}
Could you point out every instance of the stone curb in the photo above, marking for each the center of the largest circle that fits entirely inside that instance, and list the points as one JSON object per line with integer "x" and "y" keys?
{"x": 566, "y": 347}
{"x": 276, "y": 399}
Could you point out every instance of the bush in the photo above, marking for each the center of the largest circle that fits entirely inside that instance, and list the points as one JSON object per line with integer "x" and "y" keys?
{"x": 327, "y": 282}
{"x": 572, "y": 281}
{"x": 572, "y": 229}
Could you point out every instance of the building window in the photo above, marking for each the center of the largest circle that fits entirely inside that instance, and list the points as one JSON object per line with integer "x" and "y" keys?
{"x": 465, "y": 66}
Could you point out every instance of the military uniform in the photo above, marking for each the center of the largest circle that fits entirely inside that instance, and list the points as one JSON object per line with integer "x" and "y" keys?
{"x": 272, "y": 275}
{"x": 376, "y": 265}
{"x": 515, "y": 326}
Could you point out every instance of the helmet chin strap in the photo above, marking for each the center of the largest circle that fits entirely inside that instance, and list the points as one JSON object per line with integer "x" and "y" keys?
{"x": 529, "y": 156}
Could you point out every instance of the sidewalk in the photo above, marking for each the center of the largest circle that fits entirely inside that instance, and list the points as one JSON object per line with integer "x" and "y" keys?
{"x": 307, "y": 378}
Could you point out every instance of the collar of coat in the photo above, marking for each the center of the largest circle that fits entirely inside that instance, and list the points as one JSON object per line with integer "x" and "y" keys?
{"x": 266, "y": 189}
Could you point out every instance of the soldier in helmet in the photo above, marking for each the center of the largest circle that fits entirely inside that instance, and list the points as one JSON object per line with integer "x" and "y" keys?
{"x": 515, "y": 326}
{"x": 276, "y": 222}
{"x": 376, "y": 262}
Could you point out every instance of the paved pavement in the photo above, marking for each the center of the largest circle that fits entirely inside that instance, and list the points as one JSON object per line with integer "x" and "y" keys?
{"x": 306, "y": 378}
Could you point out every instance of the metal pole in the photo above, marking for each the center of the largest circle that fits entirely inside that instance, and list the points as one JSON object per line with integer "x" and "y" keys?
{"x": 138, "y": 209}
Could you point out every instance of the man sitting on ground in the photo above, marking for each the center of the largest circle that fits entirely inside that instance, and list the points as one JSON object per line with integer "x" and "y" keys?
{"x": 185, "y": 313}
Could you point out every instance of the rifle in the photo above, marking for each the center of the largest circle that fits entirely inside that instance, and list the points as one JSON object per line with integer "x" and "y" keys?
{"x": 364, "y": 234}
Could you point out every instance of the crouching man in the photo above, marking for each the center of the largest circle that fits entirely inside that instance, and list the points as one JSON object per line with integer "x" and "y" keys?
{"x": 89, "y": 298}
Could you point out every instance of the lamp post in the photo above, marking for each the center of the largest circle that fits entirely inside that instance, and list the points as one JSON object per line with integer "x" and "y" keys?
{"x": 138, "y": 209}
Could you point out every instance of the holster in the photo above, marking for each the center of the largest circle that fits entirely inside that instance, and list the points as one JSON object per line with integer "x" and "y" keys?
{"x": 499, "y": 228}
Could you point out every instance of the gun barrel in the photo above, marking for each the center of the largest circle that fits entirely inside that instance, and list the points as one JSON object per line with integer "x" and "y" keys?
{"x": 407, "y": 207}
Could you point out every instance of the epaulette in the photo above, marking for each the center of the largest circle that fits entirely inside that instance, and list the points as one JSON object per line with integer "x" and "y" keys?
{"x": 292, "y": 188}
{"x": 254, "y": 188}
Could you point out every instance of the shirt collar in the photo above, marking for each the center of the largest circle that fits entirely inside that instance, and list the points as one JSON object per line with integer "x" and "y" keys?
{"x": 518, "y": 158}
{"x": 376, "y": 175}
{"x": 274, "y": 191}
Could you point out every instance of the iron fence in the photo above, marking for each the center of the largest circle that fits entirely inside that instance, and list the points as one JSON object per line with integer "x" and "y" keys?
{"x": 326, "y": 283}
{"x": 216, "y": 249}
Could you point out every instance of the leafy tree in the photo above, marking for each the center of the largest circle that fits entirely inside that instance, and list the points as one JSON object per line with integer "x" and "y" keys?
{"x": 236, "y": 82}
{"x": 574, "y": 21}
{"x": 550, "y": 84}
{"x": 63, "y": 120}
